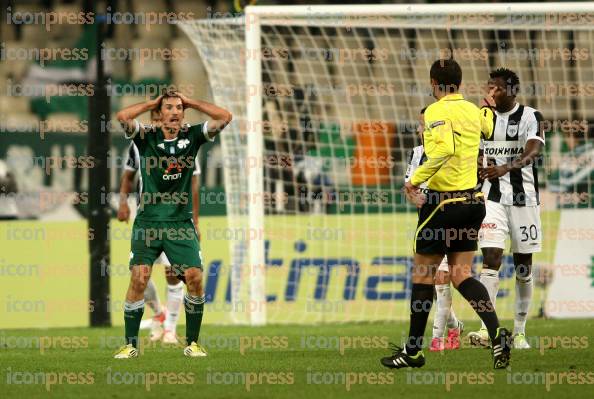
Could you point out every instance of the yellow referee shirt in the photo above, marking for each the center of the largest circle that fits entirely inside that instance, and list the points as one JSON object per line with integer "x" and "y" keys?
{"x": 453, "y": 128}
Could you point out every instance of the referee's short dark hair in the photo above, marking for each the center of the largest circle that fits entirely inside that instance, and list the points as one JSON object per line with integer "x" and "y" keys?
{"x": 447, "y": 74}
{"x": 511, "y": 79}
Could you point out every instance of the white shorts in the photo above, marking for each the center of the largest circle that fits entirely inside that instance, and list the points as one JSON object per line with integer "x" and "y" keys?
{"x": 162, "y": 260}
{"x": 521, "y": 223}
{"x": 443, "y": 266}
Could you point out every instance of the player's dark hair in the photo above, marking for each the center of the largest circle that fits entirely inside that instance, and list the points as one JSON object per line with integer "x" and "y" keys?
{"x": 167, "y": 94}
{"x": 447, "y": 74}
{"x": 511, "y": 79}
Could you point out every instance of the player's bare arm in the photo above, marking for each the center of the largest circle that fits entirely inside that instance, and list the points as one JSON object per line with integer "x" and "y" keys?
{"x": 532, "y": 151}
{"x": 220, "y": 117}
{"x": 127, "y": 116}
{"x": 126, "y": 182}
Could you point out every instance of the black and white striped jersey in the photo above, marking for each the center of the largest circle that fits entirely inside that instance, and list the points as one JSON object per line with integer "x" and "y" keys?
{"x": 132, "y": 158}
{"x": 511, "y": 132}
{"x": 416, "y": 159}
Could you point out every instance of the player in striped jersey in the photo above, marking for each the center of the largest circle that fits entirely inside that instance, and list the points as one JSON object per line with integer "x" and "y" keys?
{"x": 164, "y": 323}
{"x": 511, "y": 189}
{"x": 444, "y": 313}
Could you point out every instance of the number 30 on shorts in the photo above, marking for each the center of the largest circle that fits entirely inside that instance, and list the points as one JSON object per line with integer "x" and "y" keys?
{"x": 529, "y": 232}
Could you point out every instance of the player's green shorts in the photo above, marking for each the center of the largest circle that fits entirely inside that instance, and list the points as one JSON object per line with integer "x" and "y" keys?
{"x": 178, "y": 239}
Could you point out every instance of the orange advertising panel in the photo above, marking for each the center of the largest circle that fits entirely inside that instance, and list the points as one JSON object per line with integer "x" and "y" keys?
{"x": 372, "y": 158}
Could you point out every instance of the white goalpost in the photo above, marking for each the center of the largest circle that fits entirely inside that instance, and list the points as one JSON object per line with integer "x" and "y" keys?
{"x": 257, "y": 263}
{"x": 326, "y": 102}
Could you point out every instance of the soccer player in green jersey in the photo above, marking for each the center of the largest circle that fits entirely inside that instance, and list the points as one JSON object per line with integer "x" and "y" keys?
{"x": 164, "y": 221}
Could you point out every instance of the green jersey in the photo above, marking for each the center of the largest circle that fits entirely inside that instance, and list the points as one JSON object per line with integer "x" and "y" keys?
{"x": 166, "y": 168}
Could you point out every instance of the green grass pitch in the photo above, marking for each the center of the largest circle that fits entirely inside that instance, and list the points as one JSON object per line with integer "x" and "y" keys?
{"x": 326, "y": 361}
{"x": 42, "y": 357}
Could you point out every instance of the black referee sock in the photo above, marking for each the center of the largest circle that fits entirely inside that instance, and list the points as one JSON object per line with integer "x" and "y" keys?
{"x": 476, "y": 294}
{"x": 421, "y": 300}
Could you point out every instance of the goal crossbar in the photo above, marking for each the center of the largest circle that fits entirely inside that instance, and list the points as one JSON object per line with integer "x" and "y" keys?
{"x": 333, "y": 11}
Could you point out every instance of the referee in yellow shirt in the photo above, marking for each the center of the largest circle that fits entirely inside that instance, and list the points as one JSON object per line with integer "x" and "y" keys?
{"x": 451, "y": 212}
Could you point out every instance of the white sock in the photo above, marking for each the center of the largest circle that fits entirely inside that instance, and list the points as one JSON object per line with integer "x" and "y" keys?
{"x": 175, "y": 296}
{"x": 452, "y": 319}
{"x": 152, "y": 298}
{"x": 523, "y": 300}
{"x": 130, "y": 306}
{"x": 490, "y": 279}
{"x": 444, "y": 304}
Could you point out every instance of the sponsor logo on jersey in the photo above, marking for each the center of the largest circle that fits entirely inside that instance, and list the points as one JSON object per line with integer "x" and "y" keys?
{"x": 488, "y": 226}
{"x": 502, "y": 148}
{"x": 161, "y": 146}
{"x": 503, "y": 152}
{"x": 172, "y": 167}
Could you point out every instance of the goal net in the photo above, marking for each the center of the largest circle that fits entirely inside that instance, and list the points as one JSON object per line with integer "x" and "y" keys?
{"x": 326, "y": 102}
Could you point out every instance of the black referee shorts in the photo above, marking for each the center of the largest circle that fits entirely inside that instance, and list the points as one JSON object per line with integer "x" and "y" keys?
{"x": 449, "y": 222}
